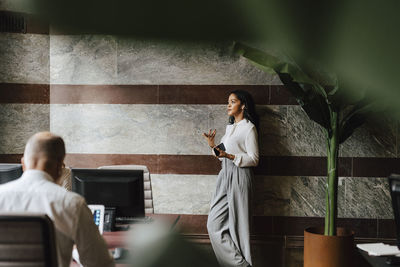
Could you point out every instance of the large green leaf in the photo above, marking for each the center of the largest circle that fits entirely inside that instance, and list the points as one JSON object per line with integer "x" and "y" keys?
{"x": 344, "y": 97}
{"x": 308, "y": 93}
{"x": 268, "y": 61}
{"x": 355, "y": 118}
{"x": 313, "y": 104}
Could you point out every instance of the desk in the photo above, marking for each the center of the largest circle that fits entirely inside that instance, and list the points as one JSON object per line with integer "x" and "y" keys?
{"x": 375, "y": 261}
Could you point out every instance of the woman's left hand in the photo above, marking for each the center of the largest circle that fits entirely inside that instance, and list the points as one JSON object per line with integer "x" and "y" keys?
{"x": 223, "y": 154}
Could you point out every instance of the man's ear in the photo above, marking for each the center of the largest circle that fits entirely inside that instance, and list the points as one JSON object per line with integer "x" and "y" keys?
{"x": 23, "y": 164}
{"x": 60, "y": 166}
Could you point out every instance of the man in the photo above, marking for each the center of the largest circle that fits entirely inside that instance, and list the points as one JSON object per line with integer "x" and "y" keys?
{"x": 37, "y": 191}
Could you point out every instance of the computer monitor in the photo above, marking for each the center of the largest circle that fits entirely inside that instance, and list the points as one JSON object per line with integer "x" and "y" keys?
{"x": 394, "y": 187}
{"x": 119, "y": 189}
{"x": 9, "y": 172}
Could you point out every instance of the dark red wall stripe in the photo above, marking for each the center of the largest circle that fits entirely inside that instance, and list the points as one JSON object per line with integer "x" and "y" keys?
{"x": 376, "y": 167}
{"x": 139, "y": 94}
{"x": 203, "y": 164}
{"x": 164, "y": 94}
{"x": 152, "y": 94}
{"x": 281, "y": 96}
{"x": 10, "y": 158}
{"x": 24, "y": 93}
{"x": 103, "y": 94}
{"x": 209, "y": 94}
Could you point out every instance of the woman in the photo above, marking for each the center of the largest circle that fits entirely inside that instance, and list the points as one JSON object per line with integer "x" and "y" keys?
{"x": 229, "y": 218}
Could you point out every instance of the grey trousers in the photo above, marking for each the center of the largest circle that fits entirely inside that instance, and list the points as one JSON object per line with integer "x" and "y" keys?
{"x": 230, "y": 215}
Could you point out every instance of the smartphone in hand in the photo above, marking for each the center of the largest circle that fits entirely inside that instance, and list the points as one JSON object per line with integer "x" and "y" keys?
{"x": 220, "y": 146}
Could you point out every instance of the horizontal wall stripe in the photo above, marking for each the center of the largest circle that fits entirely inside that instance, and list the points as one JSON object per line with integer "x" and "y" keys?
{"x": 139, "y": 94}
{"x": 160, "y": 164}
{"x": 10, "y": 158}
{"x": 299, "y": 166}
{"x": 33, "y": 24}
{"x": 373, "y": 166}
{"x": 204, "y": 164}
{"x": 281, "y": 96}
{"x": 163, "y": 94}
{"x": 289, "y": 225}
{"x": 24, "y": 93}
{"x": 103, "y": 94}
{"x": 209, "y": 94}
{"x": 208, "y": 165}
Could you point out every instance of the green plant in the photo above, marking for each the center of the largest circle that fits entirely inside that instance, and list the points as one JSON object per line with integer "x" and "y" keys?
{"x": 326, "y": 103}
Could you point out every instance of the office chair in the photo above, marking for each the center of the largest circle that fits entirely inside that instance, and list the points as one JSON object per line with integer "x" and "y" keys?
{"x": 27, "y": 239}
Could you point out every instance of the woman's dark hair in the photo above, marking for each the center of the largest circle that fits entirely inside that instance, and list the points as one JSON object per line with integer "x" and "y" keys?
{"x": 249, "y": 107}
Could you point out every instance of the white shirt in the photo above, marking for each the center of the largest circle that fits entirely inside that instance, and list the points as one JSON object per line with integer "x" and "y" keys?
{"x": 35, "y": 191}
{"x": 241, "y": 140}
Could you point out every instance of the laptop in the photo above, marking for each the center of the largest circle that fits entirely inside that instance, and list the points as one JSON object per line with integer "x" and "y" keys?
{"x": 98, "y": 216}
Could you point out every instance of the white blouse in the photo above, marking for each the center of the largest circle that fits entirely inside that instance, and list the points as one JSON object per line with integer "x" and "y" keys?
{"x": 241, "y": 140}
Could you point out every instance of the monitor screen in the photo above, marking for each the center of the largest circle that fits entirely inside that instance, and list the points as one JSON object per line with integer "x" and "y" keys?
{"x": 9, "y": 172}
{"x": 119, "y": 189}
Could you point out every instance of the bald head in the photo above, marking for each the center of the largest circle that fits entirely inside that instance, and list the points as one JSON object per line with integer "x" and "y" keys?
{"x": 45, "y": 151}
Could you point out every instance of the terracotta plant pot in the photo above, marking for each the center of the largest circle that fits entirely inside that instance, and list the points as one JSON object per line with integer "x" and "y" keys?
{"x": 328, "y": 251}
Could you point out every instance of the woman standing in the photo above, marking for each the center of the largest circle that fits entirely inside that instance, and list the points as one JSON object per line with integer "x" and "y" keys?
{"x": 230, "y": 214}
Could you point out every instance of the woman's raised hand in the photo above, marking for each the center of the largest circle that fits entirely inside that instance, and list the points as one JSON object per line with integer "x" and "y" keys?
{"x": 210, "y": 137}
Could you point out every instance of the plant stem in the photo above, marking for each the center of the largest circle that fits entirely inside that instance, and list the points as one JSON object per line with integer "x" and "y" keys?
{"x": 332, "y": 182}
{"x": 327, "y": 209}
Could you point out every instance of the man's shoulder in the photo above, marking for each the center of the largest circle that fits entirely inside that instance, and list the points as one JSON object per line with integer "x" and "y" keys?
{"x": 70, "y": 198}
{"x": 58, "y": 194}
{"x": 11, "y": 185}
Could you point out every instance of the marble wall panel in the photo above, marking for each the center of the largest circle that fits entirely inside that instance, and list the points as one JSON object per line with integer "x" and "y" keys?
{"x": 177, "y": 129}
{"x": 273, "y": 135}
{"x": 307, "y": 138}
{"x": 18, "y": 122}
{"x": 24, "y": 58}
{"x": 155, "y": 129}
{"x": 99, "y": 59}
{"x": 276, "y": 196}
{"x": 182, "y": 194}
{"x": 373, "y": 139}
{"x": 137, "y": 129}
{"x": 272, "y": 195}
{"x": 83, "y": 59}
{"x": 181, "y": 128}
{"x": 304, "y": 137}
{"x": 106, "y": 128}
{"x": 307, "y": 197}
{"x": 367, "y": 198}
{"x": 218, "y": 119}
{"x": 178, "y": 62}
